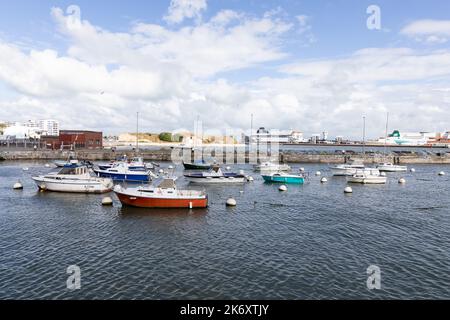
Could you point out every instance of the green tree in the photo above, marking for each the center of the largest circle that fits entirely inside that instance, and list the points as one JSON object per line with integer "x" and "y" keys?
{"x": 165, "y": 136}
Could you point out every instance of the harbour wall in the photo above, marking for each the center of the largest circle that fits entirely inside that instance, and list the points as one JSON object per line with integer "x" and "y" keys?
{"x": 165, "y": 154}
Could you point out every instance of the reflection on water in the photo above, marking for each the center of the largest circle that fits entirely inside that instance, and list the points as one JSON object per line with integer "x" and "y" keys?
{"x": 312, "y": 241}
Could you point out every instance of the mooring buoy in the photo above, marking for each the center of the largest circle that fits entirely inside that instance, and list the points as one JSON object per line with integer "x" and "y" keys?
{"x": 348, "y": 190}
{"x": 231, "y": 202}
{"x": 107, "y": 201}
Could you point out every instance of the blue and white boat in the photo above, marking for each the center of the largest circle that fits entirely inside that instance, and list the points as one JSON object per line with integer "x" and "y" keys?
{"x": 281, "y": 177}
{"x": 135, "y": 163}
{"x": 124, "y": 172}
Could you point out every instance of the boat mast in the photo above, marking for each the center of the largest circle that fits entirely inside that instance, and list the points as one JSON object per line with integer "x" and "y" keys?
{"x": 137, "y": 131}
{"x": 386, "y": 134}
{"x": 364, "y": 137}
{"x": 251, "y": 132}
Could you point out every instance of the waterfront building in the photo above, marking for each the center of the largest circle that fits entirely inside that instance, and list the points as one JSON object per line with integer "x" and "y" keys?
{"x": 30, "y": 129}
{"x": 75, "y": 139}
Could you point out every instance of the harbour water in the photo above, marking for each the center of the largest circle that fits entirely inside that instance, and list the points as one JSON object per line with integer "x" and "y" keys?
{"x": 310, "y": 242}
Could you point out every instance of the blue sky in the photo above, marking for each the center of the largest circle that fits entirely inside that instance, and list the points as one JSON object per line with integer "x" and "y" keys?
{"x": 262, "y": 80}
{"x": 339, "y": 25}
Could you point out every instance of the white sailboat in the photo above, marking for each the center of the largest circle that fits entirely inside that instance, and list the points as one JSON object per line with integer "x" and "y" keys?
{"x": 389, "y": 166}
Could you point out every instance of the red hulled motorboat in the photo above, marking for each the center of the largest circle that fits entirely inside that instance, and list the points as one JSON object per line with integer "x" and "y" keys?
{"x": 165, "y": 195}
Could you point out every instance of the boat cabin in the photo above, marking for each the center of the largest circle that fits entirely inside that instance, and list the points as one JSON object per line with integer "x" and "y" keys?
{"x": 73, "y": 170}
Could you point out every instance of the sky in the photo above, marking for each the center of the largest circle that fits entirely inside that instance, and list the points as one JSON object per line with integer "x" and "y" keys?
{"x": 307, "y": 65}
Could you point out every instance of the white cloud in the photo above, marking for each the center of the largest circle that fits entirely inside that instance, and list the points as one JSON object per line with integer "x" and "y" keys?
{"x": 428, "y": 30}
{"x": 182, "y": 9}
{"x": 171, "y": 75}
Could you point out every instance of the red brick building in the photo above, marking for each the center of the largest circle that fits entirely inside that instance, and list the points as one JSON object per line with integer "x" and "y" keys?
{"x": 75, "y": 139}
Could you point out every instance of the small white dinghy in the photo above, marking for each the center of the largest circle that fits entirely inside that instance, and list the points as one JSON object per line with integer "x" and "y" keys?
{"x": 367, "y": 176}
{"x": 347, "y": 169}
{"x": 271, "y": 166}
{"x": 74, "y": 178}
{"x": 390, "y": 167}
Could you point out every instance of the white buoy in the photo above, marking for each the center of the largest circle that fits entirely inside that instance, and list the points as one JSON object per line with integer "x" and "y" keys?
{"x": 161, "y": 171}
{"x": 442, "y": 173}
{"x": 318, "y": 173}
{"x": 250, "y": 178}
{"x": 323, "y": 180}
{"x": 413, "y": 170}
{"x": 231, "y": 202}
{"x": 25, "y": 169}
{"x": 402, "y": 181}
{"x": 348, "y": 190}
{"x": 47, "y": 165}
{"x": 107, "y": 201}
{"x": 18, "y": 186}
{"x": 228, "y": 168}
{"x": 282, "y": 188}
{"x": 170, "y": 167}
{"x": 302, "y": 169}
{"x": 241, "y": 192}
{"x": 383, "y": 174}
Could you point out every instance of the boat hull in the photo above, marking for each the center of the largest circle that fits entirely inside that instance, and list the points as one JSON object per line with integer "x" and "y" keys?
{"x": 124, "y": 177}
{"x": 281, "y": 179}
{"x": 220, "y": 180}
{"x": 193, "y": 166}
{"x": 146, "y": 202}
{"x": 73, "y": 186}
{"x": 394, "y": 169}
{"x": 371, "y": 180}
{"x": 343, "y": 172}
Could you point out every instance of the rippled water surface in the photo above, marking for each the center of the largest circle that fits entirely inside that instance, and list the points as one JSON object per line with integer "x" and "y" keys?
{"x": 309, "y": 242}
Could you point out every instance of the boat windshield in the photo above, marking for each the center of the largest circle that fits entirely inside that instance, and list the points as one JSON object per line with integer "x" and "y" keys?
{"x": 72, "y": 170}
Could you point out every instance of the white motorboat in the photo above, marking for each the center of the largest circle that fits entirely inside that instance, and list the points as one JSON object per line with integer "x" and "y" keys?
{"x": 216, "y": 176}
{"x": 347, "y": 169}
{"x": 390, "y": 167}
{"x": 367, "y": 176}
{"x": 271, "y": 166}
{"x": 75, "y": 178}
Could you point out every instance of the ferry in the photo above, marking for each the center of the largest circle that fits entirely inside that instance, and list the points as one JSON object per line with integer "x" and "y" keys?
{"x": 73, "y": 177}
{"x": 165, "y": 195}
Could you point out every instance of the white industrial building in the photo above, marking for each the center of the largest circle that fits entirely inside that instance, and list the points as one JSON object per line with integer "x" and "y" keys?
{"x": 31, "y": 129}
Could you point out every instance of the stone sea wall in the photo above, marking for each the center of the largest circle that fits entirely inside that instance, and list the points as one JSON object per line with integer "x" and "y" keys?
{"x": 164, "y": 154}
